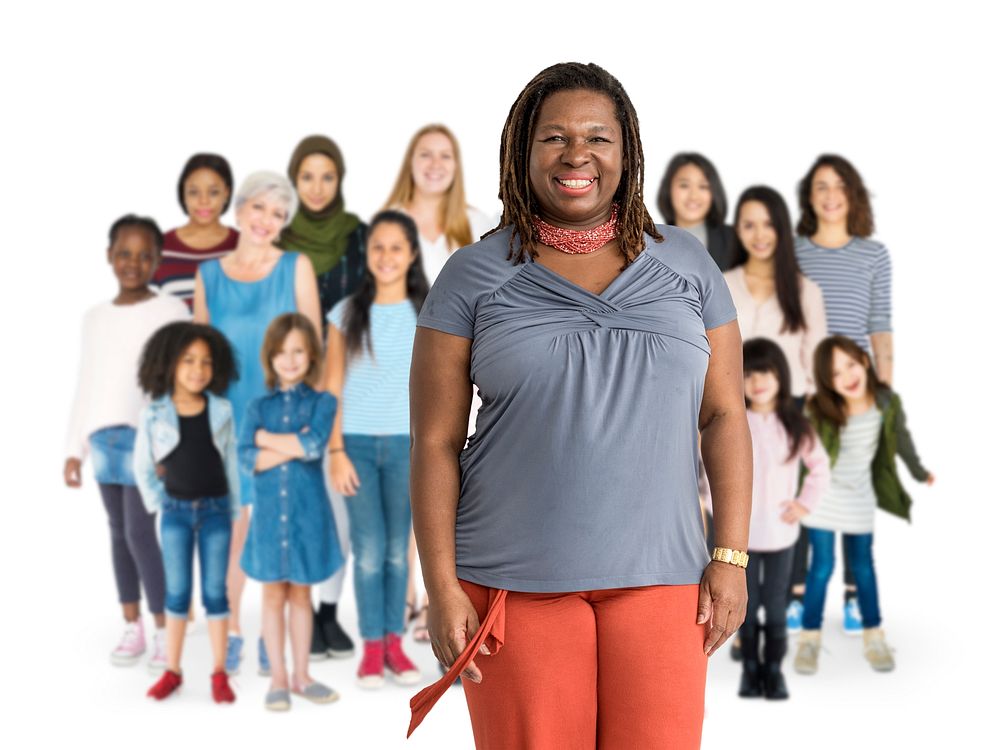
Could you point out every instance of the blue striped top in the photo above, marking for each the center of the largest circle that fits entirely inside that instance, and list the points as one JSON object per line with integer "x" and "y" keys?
{"x": 376, "y": 397}
{"x": 856, "y": 281}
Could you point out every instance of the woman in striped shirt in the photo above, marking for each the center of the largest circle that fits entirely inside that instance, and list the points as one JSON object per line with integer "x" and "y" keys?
{"x": 369, "y": 344}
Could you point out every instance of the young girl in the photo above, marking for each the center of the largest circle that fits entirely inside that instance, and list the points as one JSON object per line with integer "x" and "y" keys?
{"x": 104, "y": 416}
{"x": 185, "y": 467}
{"x": 861, "y": 424}
{"x": 783, "y": 442}
{"x": 368, "y": 363}
{"x": 691, "y": 197}
{"x": 292, "y": 541}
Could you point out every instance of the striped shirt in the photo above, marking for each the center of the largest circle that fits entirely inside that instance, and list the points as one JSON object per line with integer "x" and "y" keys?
{"x": 376, "y": 395}
{"x": 849, "y": 502}
{"x": 856, "y": 281}
{"x": 179, "y": 264}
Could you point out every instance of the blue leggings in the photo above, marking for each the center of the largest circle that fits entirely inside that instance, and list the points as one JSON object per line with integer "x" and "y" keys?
{"x": 858, "y": 548}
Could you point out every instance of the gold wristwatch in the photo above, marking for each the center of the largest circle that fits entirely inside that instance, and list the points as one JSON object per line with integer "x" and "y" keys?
{"x": 732, "y": 556}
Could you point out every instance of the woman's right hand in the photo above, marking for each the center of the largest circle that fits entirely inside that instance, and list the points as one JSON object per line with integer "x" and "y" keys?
{"x": 342, "y": 474}
{"x": 71, "y": 472}
{"x": 451, "y": 622}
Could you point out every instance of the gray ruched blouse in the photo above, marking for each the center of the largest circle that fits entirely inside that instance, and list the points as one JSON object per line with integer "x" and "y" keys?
{"x": 582, "y": 471}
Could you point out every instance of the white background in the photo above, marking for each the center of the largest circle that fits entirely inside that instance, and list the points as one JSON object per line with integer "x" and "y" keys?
{"x": 104, "y": 102}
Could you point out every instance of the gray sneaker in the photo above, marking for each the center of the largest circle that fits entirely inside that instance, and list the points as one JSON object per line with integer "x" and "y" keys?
{"x": 278, "y": 700}
{"x": 807, "y": 655}
{"x": 877, "y": 651}
{"x": 317, "y": 692}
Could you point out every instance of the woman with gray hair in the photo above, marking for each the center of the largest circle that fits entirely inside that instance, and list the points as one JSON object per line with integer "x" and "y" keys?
{"x": 240, "y": 294}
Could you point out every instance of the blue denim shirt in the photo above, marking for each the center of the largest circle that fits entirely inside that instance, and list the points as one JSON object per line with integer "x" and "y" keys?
{"x": 160, "y": 432}
{"x": 292, "y": 536}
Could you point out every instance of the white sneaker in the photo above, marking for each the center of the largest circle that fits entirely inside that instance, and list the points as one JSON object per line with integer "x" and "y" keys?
{"x": 131, "y": 647}
{"x": 158, "y": 662}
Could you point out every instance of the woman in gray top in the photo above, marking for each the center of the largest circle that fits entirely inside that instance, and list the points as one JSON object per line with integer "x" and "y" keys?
{"x": 566, "y": 538}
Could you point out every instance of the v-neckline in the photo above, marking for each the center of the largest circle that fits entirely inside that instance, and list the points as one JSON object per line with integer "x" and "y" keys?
{"x": 605, "y": 295}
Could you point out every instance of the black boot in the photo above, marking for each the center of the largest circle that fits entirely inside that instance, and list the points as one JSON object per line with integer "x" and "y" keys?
{"x": 775, "y": 648}
{"x": 338, "y": 644}
{"x": 317, "y": 651}
{"x": 750, "y": 680}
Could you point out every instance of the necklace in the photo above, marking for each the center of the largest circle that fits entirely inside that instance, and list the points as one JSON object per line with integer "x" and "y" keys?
{"x": 576, "y": 242}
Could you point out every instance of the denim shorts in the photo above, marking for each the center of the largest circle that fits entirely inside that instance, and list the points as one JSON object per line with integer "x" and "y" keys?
{"x": 111, "y": 453}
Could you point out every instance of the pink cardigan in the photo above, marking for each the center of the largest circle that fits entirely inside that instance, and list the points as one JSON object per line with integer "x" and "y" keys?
{"x": 775, "y": 480}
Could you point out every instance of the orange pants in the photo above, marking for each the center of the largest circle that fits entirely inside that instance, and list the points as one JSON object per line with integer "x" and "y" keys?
{"x": 610, "y": 669}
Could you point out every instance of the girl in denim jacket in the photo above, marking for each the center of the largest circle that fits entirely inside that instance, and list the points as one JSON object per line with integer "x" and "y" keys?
{"x": 186, "y": 468}
{"x": 292, "y": 541}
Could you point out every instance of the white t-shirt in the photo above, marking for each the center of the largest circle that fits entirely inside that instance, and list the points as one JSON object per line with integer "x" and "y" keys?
{"x": 435, "y": 254}
{"x": 107, "y": 392}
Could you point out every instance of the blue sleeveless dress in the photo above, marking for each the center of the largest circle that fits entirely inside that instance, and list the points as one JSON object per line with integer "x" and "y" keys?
{"x": 242, "y": 311}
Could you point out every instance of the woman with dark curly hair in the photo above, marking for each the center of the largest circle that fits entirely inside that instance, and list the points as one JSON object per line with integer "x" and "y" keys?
{"x": 563, "y": 548}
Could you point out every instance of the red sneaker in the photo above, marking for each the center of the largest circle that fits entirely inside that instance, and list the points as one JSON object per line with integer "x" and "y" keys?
{"x": 167, "y": 684}
{"x": 403, "y": 670}
{"x": 221, "y": 692}
{"x": 371, "y": 673}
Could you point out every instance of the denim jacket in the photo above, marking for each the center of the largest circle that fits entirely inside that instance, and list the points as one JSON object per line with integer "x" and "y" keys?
{"x": 160, "y": 432}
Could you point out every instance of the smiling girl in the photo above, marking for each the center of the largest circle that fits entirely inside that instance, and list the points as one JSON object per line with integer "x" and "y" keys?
{"x": 239, "y": 295}
{"x": 370, "y": 343}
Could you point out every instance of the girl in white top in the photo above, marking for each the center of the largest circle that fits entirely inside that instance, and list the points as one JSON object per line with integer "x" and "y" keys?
{"x": 105, "y": 414}
{"x": 773, "y": 299}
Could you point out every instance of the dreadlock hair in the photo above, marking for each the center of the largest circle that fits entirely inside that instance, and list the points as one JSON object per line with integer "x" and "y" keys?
{"x": 515, "y": 148}
{"x": 763, "y": 355}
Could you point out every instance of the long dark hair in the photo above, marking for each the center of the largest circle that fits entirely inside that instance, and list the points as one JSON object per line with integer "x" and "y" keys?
{"x": 826, "y": 404}
{"x": 763, "y": 355}
{"x": 515, "y": 148}
{"x": 357, "y": 313}
{"x": 787, "y": 278}
{"x": 716, "y": 216}
{"x": 860, "y": 220}
{"x": 164, "y": 349}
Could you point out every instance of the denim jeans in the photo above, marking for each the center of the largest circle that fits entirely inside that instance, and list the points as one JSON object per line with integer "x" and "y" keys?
{"x": 380, "y": 530}
{"x": 858, "y": 548}
{"x": 207, "y": 523}
{"x": 111, "y": 455}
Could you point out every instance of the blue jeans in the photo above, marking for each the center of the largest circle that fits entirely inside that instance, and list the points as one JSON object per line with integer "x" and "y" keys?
{"x": 183, "y": 523}
{"x": 111, "y": 455}
{"x": 380, "y": 530}
{"x": 858, "y": 548}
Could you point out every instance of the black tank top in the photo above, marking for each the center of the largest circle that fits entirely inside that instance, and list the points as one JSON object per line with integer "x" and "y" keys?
{"x": 194, "y": 468}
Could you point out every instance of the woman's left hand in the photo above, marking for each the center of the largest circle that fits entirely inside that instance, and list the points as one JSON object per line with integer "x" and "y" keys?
{"x": 722, "y": 602}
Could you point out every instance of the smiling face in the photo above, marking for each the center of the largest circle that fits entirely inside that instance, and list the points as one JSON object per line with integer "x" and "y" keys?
{"x": 389, "y": 253}
{"x": 849, "y": 377}
{"x": 317, "y": 182}
{"x": 133, "y": 258}
{"x": 761, "y": 390}
{"x": 433, "y": 164}
{"x": 194, "y": 369}
{"x": 690, "y": 195}
{"x": 575, "y": 164}
{"x": 205, "y": 195}
{"x": 291, "y": 362}
{"x": 756, "y": 230}
{"x": 829, "y": 196}
{"x": 261, "y": 218}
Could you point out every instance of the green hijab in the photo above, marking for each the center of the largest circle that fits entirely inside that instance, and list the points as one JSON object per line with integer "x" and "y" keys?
{"x": 320, "y": 235}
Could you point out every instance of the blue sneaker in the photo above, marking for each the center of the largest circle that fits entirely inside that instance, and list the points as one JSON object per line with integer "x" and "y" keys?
{"x": 793, "y": 616}
{"x": 234, "y": 653}
{"x": 852, "y": 617}
{"x": 264, "y": 666}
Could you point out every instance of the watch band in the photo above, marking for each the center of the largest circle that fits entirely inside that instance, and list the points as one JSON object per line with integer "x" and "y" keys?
{"x": 736, "y": 557}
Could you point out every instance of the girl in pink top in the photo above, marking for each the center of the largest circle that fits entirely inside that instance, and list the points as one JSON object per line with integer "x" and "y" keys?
{"x": 783, "y": 441}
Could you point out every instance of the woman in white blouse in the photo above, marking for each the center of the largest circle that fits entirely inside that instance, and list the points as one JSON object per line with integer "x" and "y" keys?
{"x": 773, "y": 299}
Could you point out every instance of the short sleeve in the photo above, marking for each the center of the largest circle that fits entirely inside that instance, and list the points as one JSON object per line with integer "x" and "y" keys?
{"x": 450, "y": 305}
{"x": 717, "y": 306}
{"x": 681, "y": 251}
{"x": 336, "y": 316}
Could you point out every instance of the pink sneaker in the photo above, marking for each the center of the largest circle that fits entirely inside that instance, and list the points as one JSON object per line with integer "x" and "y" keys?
{"x": 131, "y": 646}
{"x": 403, "y": 671}
{"x": 371, "y": 673}
{"x": 158, "y": 662}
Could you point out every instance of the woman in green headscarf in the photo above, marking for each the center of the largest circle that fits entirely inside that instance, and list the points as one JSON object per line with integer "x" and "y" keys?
{"x": 332, "y": 238}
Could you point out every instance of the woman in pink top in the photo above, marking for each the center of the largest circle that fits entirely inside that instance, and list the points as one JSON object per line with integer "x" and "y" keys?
{"x": 773, "y": 299}
{"x": 783, "y": 442}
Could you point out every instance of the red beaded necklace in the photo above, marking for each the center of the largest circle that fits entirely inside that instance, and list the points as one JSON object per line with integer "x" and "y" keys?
{"x": 576, "y": 242}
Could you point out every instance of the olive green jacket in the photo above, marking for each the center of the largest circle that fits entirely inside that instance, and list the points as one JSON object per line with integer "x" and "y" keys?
{"x": 894, "y": 440}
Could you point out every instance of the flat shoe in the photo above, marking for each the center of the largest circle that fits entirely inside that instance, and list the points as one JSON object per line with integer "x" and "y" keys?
{"x": 278, "y": 700}
{"x": 317, "y": 692}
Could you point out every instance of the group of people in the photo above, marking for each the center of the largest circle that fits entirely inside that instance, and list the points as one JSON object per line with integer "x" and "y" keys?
{"x": 263, "y": 388}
